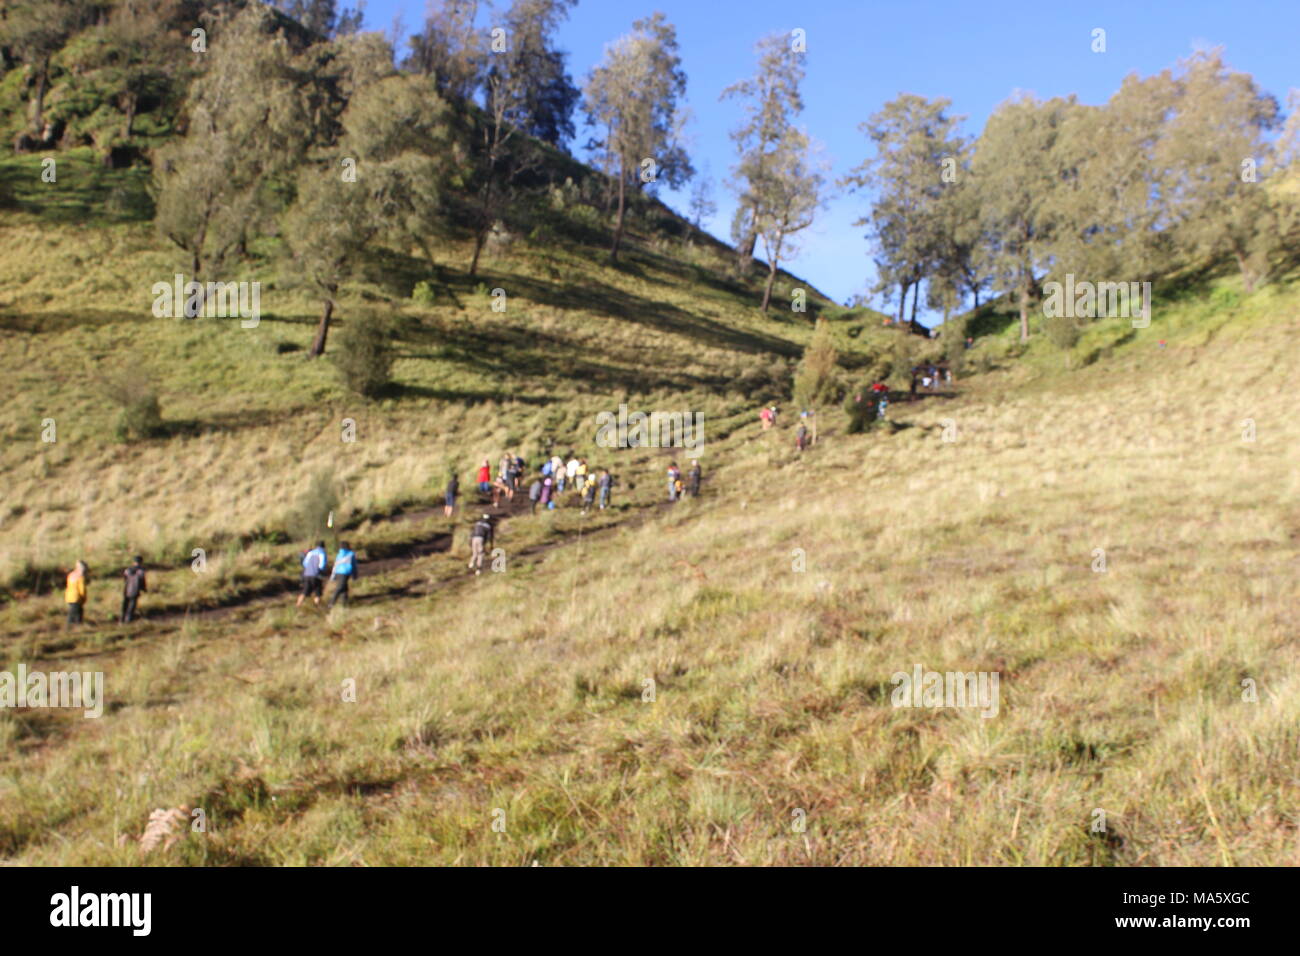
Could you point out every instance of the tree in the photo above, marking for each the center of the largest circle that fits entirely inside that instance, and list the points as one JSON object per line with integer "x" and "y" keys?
{"x": 1107, "y": 201}
{"x": 322, "y": 17}
{"x": 449, "y": 49}
{"x": 915, "y": 145}
{"x": 633, "y": 95}
{"x": 1015, "y": 169}
{"x": 1217, "y": 160}
{"x": 771, "y": 102}
{"x": 785, "y": 196}
{"x": 384, "y": 177}
{"x": 702, "y": 205}
{"x": 525, "y": 88}
{"x": 817, "y": 378}
{"x": 35, "y": 30}
{"x": 539, "y": 87}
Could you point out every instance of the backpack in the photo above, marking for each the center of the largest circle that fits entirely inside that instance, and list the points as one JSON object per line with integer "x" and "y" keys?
{"x": 481, "y": 530}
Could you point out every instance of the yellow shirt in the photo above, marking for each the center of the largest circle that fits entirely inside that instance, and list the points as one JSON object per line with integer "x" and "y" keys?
{"x": 76, "y": 590}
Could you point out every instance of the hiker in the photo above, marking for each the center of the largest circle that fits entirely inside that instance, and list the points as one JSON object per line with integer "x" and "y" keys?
{"x": 548, "y": 486}
{"x": 345, "y": 570}
{"x": 772, "y": 414}
{"x": 580, "y": 476}
{"x": 313, "y": 574}
{"x": 882, "y": 403}
{"x": 571, "y": 472}
{"x": 480, "y": 539}
{"x": 485, "y": 477}
{"x": 693, "y": 485}
{"x": 535, "y": 494}
{"x": 605, "y": 482}
{"x": 766, "y": 417}
{"x": 133, "y": 584}
{"x": 449, "y": 497}
{"x": 558, "y": 473}
{"x": 75, "y": 593}
{"x": 519, "y": 466}
{"x": 504, "y": 468}
{"x": 674, "y": 481}
{"x": 588, "y": 495}
{"x": 499, "y": 487}
{"x": 801, "y": 437}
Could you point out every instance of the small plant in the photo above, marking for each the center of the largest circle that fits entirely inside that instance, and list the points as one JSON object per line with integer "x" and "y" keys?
{"x": 423, "y": 293}
{"x": 310, "y": 519}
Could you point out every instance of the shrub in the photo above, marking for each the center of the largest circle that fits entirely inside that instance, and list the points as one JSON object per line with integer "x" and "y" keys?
{"x": 423, "y": 293}
{"x": 861, "y": 409}
{"x": 132, "y": 391}
{"x": 309, "y": 519}
{"x": 364, "y": 356}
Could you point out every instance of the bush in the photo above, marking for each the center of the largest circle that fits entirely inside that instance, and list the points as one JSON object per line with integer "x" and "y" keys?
{"x": 1062, "y": 331}
{"x": 133, "y": 392}
{"x": 423, "y": 293}
{"x": 861, "y": 409}
{"x": 363, "y": 356}
{"x": 309, "y": 520}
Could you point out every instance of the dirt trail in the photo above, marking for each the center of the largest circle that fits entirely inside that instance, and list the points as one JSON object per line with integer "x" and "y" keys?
{"x": 166, "y": 621}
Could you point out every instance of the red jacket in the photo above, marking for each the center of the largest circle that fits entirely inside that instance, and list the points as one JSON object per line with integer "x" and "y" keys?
{"x": 484, "y": 474}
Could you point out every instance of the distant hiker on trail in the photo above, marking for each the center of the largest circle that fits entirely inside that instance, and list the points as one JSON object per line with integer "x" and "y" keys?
{"x": 480, "y": 539}
{"x": 132, "y": 585}
{"x": 580, "y": 475}
{"x": 588, "y": 495}
{"x": 449, "y": 496}
{"x": 504, "y": 469}
{"x": 674, "y": 481}
{"x": 313, "y": 574}
{"x": 557, "y": 472}
{"x": 535, "y": 494}
{"x": 882, "y": 403}
{"x": 693, "y": 480}
{"x": 801, "y": 437}
{"x": 345, "y": 570}
{"x": 499, "y": 487}
{"x": 75, "y": 593}
{"x": 772, "y": 414}
{"x": 484, "y": 478}
{"x": 571, "y": 471}
{"x": 519, "y": 466}
{"x": 765, "y": 416}
{"x": 548, "y": 489}
{"x": 605, "y": 482}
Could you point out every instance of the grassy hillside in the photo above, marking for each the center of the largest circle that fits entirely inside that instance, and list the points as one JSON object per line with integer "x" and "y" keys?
{"x": 769, "y": 614}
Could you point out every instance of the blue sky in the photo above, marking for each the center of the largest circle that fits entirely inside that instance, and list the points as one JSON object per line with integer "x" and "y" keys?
{"x": 861, "y": 54}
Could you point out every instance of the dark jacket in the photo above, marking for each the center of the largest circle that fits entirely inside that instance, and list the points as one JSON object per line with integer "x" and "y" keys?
{"x": 134, "y": 581}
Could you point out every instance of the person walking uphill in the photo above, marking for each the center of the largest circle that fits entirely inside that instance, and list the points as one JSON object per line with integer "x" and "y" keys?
{"x": 133, "y": 585}
{"x": 74, "y": 594}
{"x": 674, "y": 481}
{"x": 453, "y": 490}
{"x": 345, "y": 571}
{"x": 480, "y": 539}
{"x": 313, "y": 574}
{"x": 534, "y": 494}
{"x": 693, "y": 480}
{"x": 605, "y": 482}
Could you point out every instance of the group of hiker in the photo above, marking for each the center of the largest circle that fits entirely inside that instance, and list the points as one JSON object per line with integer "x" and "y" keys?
{"x": 134, "y": 584}
{"x": 594, "y": 488}
{"x": 314, "y": 565}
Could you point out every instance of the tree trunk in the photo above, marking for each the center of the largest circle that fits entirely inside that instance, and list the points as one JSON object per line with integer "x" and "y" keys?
{"x": 1024, "y": 312}
{"x": 902, "y": 300}
{"x": 322, "y": 330}
{"x": 771, "y": 277}
{"x": 1247, "y": 280}
{"x": 480, "y": 237}
{"x": 130, "y": 115}
{"x": 38, "y": 100}
{"x": 916, "y": 294}
{"x": 618, "y": 227}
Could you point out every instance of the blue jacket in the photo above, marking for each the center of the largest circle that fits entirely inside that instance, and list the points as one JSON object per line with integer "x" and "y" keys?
{"x": 343, "y": 563}
{"x": 313, "y": 562}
